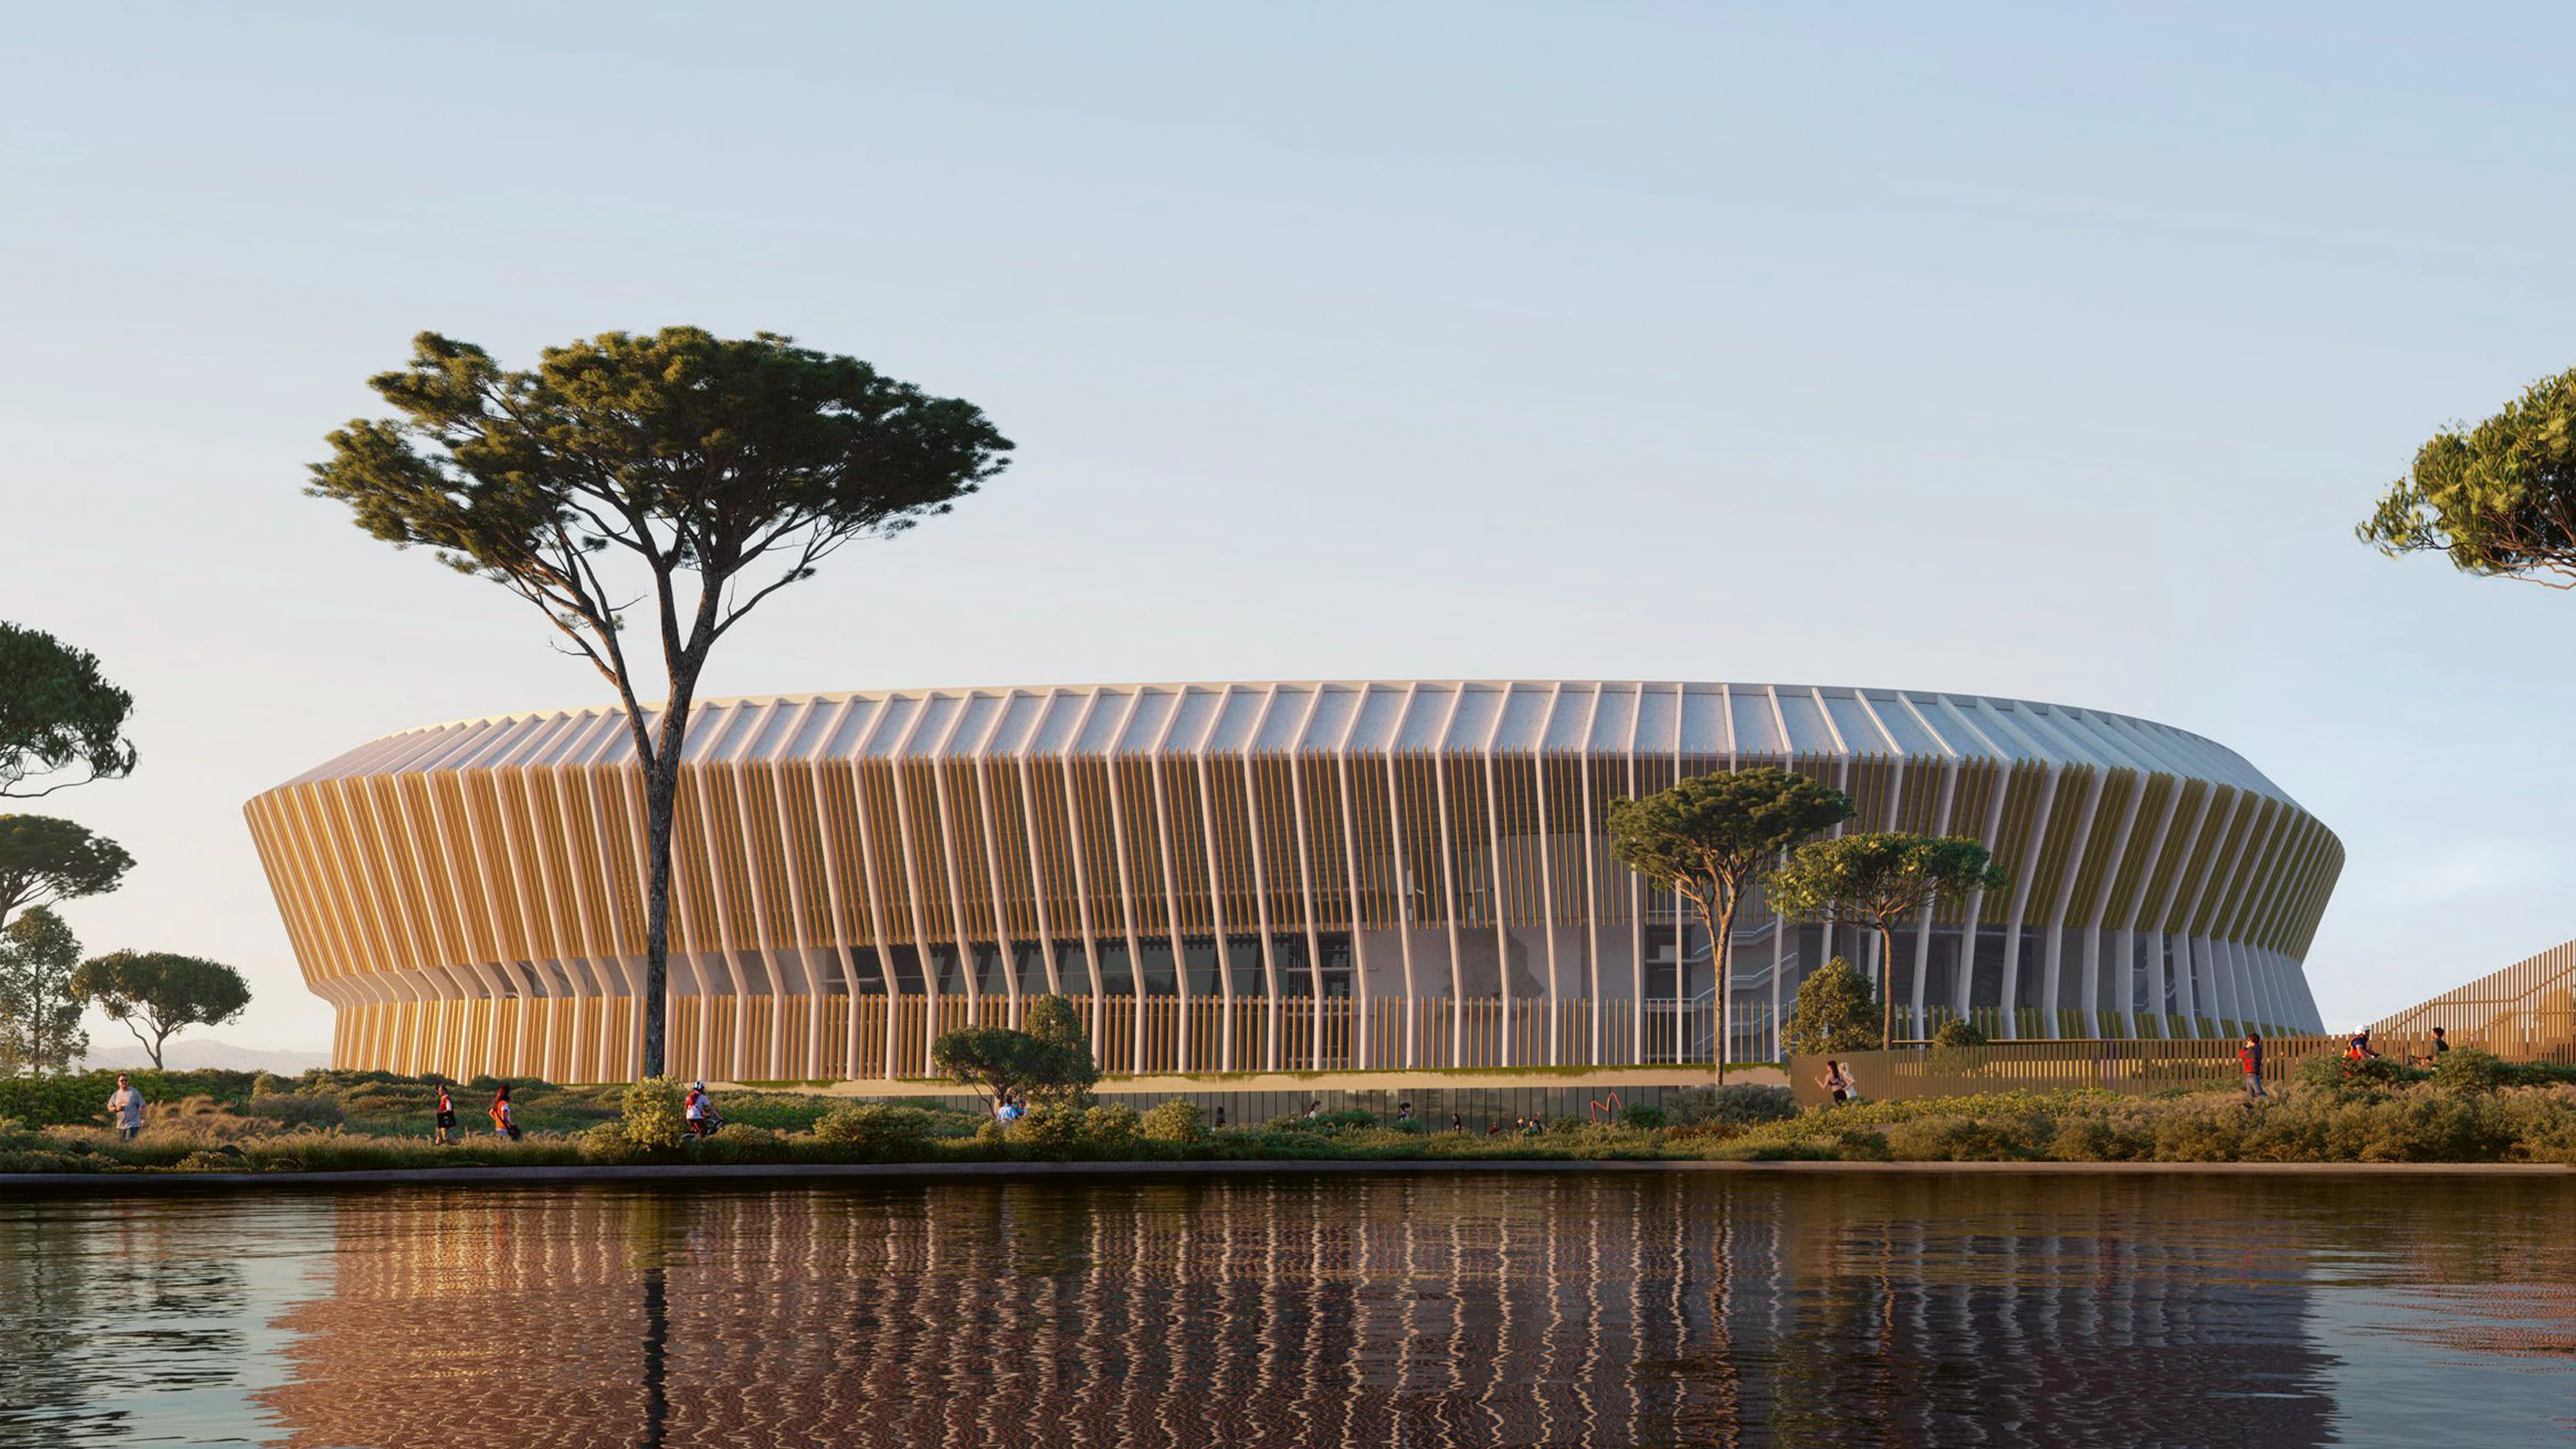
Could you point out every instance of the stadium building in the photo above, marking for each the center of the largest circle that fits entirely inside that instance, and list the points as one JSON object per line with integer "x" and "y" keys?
{"x": 1247, "y": 877}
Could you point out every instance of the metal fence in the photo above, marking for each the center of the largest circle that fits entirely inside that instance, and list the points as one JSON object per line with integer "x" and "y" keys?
{"x": 2525, "y": 1012}
{"x": 2129, "y": 1066}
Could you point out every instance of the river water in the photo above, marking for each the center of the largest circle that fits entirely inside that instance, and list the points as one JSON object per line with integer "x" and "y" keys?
{"x": 1380, "y": 1310}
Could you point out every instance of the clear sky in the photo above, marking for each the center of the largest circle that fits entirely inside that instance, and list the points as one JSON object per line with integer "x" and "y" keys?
{"x": 2038, "y": 350}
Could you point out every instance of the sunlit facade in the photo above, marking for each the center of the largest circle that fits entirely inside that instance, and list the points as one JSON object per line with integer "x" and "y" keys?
{"x": 1244, "y": 877}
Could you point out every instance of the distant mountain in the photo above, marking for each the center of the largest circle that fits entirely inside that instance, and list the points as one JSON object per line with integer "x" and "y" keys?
{"x": 189, "y": 1054}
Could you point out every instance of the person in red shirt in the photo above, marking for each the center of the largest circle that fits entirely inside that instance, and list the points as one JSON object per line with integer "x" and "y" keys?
{"x": 2250, "y": 1057}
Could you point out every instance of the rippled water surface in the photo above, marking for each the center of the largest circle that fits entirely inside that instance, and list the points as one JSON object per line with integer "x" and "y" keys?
{"x": 1382, "y": 1310}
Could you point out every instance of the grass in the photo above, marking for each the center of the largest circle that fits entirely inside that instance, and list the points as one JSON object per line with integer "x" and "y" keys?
{"x": 2473, "y": 1111}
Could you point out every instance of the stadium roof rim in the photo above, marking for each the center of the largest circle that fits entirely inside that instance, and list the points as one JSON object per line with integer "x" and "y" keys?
{"x": 1801, "y": 720}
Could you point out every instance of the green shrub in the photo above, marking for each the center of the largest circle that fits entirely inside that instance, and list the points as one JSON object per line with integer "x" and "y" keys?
{"x": 1853, "y": 1144}
{"x": 606, "y": 1144}
{"x": 1738, "y": 1105}
{"x": 2425, "y": 1127}
{"x": 1175, "y": 1121}
{"x": 2542, "y": 1122}
{"x": 2201, "y": 1132}
{"x": 1642, "y": 1116}
{"x": 1054, "y": 1133}
{"x": 2095, "y": 1139}
{"x": 2468, "y": 1071}
{"x": 1958, "y": 1031}
{"x": 1835, "y": 1013}
{"x": 1110, "y": 1132}
{"x": 876, "y": 1132}
{"x": 741, "y": 1143}
{"x": 1970, "y": 1139}
{"x": 2338, "y": 1079}
{"x": 652, "y": 1114}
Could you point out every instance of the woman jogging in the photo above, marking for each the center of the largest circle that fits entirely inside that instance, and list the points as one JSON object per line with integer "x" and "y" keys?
{"x": 1837, "y": 1081}
{"x": 505, "y": 1123}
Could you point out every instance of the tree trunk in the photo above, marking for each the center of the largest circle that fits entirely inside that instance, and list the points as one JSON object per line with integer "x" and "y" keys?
{"x": 1721, "y": 958}
{"x": 1886, "y": 986}
{"x": 661, "y": 809}
{"x": 661, "y": 794}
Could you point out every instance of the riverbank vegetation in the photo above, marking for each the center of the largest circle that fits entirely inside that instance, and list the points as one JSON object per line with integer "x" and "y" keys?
{"x": 2473, "y": 1109}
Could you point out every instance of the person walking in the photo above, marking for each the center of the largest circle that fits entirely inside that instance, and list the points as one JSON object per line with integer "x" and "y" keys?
{"x": 2250, "y": 1057}
{"x": 126, "y": 1105}
{"x": 505, "y": 1122}
{"x": 1457, "y": 1121}
{"x": 445, "y": 1119}
{"x": 699, "y": 1112}
{"x": 1404, "y": 1114}
{"x": 1220, "y": 1116}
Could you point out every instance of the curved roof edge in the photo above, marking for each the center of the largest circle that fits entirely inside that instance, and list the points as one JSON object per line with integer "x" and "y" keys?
{"x": 1326, "y": 715}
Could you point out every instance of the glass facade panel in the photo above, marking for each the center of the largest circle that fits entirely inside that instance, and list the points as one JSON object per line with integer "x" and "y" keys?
{"x": 1986, "y": 986}
{"x": 1157, "y": 971}
{"x": 907, "y": 970}
{"x": 1074, "y": 966}
{"x": 1117, "y": 972}
{"x": 1199, "y": 962}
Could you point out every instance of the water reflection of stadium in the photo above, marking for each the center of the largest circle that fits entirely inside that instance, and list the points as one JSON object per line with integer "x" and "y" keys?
{"x": 1380, "y": 1311}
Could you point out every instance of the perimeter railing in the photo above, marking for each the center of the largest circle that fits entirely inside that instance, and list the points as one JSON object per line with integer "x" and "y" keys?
{"x": 2525, "y": 1012}
{"x": 2132, "y": 1067}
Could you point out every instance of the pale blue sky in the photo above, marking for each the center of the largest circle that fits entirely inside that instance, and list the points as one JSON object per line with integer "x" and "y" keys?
{"x": 2030, "y": 350}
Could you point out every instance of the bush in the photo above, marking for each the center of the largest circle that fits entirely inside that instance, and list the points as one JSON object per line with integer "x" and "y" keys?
{"x": 606, "y": 1144}
{"x": 876, "y": 1132}
{"x": 740, "y": 1143}
{"x": 1642, "y": 1116}
{"x": 1049, "y": 1132}
{"x": 2424, "y": 1127}
{"x": 1835, "y": 1013}
{"x": 1734, "y": 1106}
{"x": 1110, "y": 1131}
{"x": 1175, "y": 1121}
{"x": 2339, "y": 1079}
{"x": 1853, "y": 1144}
{"x": 2468, "y": 1071}
{"x": 2096, "y": 1139}
{"x": 1971, "y": 1139}
{"x": 651, "y": 1115}
{"x": 1958, "y": 1031}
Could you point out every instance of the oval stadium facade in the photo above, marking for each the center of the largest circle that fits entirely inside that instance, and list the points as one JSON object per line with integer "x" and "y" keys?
{"x": 1248, "y": 877}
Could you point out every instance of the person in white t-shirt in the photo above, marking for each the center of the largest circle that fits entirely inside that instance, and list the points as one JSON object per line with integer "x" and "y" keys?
{"x": 127, "y": 1105}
